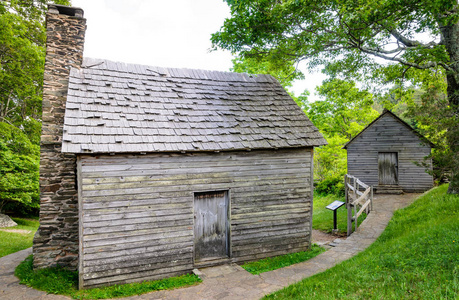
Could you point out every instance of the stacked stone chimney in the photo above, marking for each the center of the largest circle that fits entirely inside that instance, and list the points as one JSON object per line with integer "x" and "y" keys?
{"x": 56, "y": 241}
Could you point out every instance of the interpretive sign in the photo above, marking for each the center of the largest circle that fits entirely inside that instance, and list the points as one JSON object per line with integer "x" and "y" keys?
{"x": 334, "y": 206}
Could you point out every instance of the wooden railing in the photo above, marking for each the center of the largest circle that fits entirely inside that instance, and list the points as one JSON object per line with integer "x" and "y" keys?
{"x": 359, "y": 197}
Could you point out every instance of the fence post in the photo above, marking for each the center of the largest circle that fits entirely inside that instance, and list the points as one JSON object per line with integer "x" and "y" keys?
{"x": 348, "y": 206}
{"x": 371, "y": 199}
{"x": 355, "y": 214}
{"x": 351, "y": 191}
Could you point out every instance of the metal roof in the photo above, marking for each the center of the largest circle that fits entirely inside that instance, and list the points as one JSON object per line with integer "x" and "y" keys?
{"x": 119, "y": 108}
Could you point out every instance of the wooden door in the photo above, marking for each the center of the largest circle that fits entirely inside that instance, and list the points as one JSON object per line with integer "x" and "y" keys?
{"x": 388, "y": 168}
{"x": 210, "y": 225}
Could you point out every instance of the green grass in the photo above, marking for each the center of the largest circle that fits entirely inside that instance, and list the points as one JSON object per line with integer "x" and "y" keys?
{"x": 416, "y": 257}
{"x": 11, "y": 242}
{"x": 64, "y": 282}
{"x": 277, "y": 262}
{"x": 322, "y": 218}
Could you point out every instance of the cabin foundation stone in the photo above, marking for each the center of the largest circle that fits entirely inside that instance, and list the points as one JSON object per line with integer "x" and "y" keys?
{"x": 56, "y": 241}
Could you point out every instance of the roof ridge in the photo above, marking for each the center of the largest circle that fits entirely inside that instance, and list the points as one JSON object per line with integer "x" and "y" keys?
{"x": 135, "y": 68}
{"x": 388, "y": 112}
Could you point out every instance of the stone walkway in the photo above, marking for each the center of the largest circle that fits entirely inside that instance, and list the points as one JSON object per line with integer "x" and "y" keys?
{"x": 231, "y": 281}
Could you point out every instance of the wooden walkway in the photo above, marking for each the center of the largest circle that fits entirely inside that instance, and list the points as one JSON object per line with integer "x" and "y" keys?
{"x": 231, "y": 281}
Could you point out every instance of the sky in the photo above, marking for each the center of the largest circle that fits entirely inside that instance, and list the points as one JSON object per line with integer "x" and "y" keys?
{"x": 165, "y": 33}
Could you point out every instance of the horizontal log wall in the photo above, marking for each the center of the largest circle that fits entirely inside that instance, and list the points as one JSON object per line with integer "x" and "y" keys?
{"x": 389, "y": 135}
{"x": 137, "y": 210}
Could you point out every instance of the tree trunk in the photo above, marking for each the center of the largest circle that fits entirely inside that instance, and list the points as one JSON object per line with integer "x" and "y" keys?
{"x": 450, "y": 38}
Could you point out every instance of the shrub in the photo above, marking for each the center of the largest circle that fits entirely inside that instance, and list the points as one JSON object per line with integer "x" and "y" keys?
{"x": 19, "y": 164}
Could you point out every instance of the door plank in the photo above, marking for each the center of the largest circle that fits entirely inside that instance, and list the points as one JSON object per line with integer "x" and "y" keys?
{"x": 388, "y": 168}
{"x": 210, "y": 230}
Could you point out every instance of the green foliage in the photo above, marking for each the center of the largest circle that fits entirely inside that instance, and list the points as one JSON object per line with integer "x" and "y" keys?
{"x": 11, "y": 242}
{"x": 32, "y": 128}
{"x": 330, "y": 166}
{"x": 64, "y": 282}
{"x": 19, "y": 163}
{"x": 22, "y": 60}
{"x": 277, "y": 262}
{"x": 415, "y": 258}
{"x": 424, "y": 105}
{"x": 345, "y": 36}
{"x": 433, "y": 116}
{"x": 376, "y": 42}
{"x": 22, "y": 56}
{"x": 332, "y": 184}
{"x": 344, "y": 112}
{"x": 285, "y": 73}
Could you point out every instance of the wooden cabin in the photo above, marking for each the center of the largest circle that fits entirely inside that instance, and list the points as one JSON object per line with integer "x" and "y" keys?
{"x": 386, "y": 154}
{"x": 149, "y": 172}
{"x": 179, "y": 169}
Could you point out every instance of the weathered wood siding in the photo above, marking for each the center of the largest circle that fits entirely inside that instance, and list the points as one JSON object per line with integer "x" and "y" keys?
{"x": 137, "y": 210}
{"x": 389, "y": 135}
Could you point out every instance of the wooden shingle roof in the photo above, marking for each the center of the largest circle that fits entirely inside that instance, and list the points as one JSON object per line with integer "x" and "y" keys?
{"x": 387, "y": 112}
{"x": 119, "y": 108}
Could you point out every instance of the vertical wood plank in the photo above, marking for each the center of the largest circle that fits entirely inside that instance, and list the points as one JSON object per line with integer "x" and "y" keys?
{"x": 388, "y": 168}
{"x": 348, "y": 206}
{"x": 311, "y": 186}
{"x": 210, "y": 235}
{"x": 81, "y": 224}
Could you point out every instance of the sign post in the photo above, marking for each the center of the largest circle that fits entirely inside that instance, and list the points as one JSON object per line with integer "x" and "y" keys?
{"x": 334, "y": 207}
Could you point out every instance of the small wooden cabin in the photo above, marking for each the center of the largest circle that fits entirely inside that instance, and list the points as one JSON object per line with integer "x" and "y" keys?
{"x": 150, "y": 172}
{"x": 385, "y": 154}
{"x": 180, "y": 168}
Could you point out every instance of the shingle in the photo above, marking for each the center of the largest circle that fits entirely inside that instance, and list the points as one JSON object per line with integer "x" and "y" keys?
{"x": 117, "y": 107}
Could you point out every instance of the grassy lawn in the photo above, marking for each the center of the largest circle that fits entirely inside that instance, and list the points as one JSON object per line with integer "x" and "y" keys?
{"x": 416, "y": 257}
{"x": 11, "y": 242}
{"x": 277, "y": 262}
{"x": 64, "y": 282}
{"x": 322, "y": 218}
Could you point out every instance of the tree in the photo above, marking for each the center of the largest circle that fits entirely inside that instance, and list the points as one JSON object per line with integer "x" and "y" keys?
{"x": 432, "y": 116}
{"x": 343, "y": 113}
{"x": 22, "y": 57}
{"x": 19, "y": 161}
{"x": 379, "y": 40}
{"x": 284, "y": 73}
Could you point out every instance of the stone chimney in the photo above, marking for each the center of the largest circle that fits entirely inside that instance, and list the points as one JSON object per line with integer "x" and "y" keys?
{"x": 56, "y": 241}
